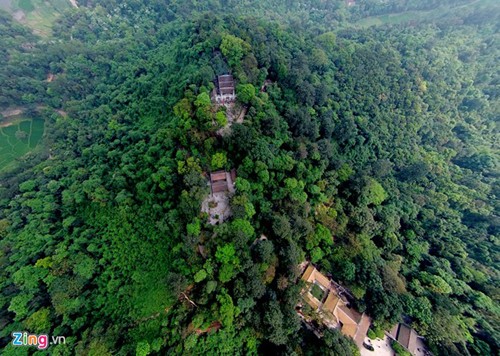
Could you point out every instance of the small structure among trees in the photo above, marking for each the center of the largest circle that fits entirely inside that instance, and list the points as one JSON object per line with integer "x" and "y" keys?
{"x": 222, "y": 181}
{"x": 225, "y": 91}
{"x": 218, "y": 182}
{"x": 216, "y": 205}
{"x": 408, "y": 339}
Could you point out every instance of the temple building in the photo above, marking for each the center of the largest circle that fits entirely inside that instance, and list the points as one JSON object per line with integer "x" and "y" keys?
{"x": 225, "y": 92}
{"x": 222, "y": 181}
{"x": 322, "y": 295}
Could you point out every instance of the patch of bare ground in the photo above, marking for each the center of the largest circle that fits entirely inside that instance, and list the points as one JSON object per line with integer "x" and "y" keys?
{"x": 217, "y": 207}
{"x": 19, "y": 15}
{"x": 12, "y": 112}
{"x": 234, "y": 113}
{"x": 7, "y": 123}
{"x": 11, "y": 115}
{"x": 62, "y": 113}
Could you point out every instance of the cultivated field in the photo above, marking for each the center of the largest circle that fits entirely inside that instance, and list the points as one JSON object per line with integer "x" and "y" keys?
{"x": 416, "y": 16}
{"x": 38, "y": 15}
{"x": 18, "y": 137}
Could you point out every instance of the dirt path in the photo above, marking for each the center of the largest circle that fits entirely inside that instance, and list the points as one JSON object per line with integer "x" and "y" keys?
{"x": 62, "y": 113}
{"x": 10, "y": 116}
{"x": 241, "y": 117}
{"x": 12, "y": 112}
{"x": 6, "y": 123}
{"x": 16, "y": 111}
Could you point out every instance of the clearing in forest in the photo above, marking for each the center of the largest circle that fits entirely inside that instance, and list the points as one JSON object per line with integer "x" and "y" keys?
{"x": 420, "y": 15}
{"x": 216, "y": 205}
{"x": 39, "y": 15}
{"x": 18, "y": 137}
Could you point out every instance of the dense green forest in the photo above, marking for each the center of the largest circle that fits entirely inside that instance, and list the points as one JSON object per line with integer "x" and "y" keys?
{"x": 372, "y": 152}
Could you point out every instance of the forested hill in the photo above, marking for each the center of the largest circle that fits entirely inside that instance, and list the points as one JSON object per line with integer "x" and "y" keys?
{"x": 372, "y": 152}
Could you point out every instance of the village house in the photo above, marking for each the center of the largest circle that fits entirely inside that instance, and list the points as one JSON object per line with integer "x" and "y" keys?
{"x": 323, "y": 296}
{"x": 222, "y": 181}
{"x": 408, "y": 338}
{"x": 224, "y": 91}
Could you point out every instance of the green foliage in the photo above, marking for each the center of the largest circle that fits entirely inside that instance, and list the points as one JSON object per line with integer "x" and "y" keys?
{"x": 233, "y": 48}
{"x": 327, "y": 40}
{"x": 435, "y": 283}
{"x": 226, "y": 256}
{"x": 380, "y": 136}
{"x": 200, "y": 275}
{"x": 204, "y": 108}
{"x": 243, "y": 227}
{"x": 227, "y": 309}
{"x": 39, "y": 321}
{"x": 374, "y": 193}
{"x": 26, "y": 5}
{"x": 344, "y": 172}
{"x": 245, "y": 93}
{"x": 219, "y": 160}
{"x": 221, "y": 118}
{"x": 317, "y": 292}
{"x": 333, "y": 342}
{"x": 20, "y": 305}
{"x": 194, "y": 228}
{"x": 379, "y": 332}
{"x": 142, "y": 348}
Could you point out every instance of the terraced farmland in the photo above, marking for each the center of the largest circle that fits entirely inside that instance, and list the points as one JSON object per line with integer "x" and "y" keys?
{"x": 39, "y": 15}
{"x": 17, "y": 138}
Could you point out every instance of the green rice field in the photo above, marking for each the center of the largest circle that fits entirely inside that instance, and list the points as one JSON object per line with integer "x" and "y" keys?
{"x": 19, "y": 138}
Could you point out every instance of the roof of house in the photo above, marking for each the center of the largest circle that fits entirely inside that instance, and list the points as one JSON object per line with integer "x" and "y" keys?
{"x": 220, "y": 186}
{"x": 308, "y": 272}
{"x": 331, "y": 302}
{"x": 219, "y": 175}
{"x": 406, "y": 336}
{"x": 394, "y": 332}
{"x": 348, "y": 315}
{"x": 321, "y": 279}
{"x": 349, "y": 329}
{"x": 363, "y": 327}
{"x": 225, "y": 84}
{"x": 226, "y": 79}
{"x": 218, "y": 181}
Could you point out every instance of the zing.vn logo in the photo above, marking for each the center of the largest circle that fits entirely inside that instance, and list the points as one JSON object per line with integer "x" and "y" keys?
{"x": 40, "y": 341}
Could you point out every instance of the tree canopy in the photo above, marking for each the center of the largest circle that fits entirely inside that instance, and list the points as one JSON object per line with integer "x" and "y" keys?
{"x": 368, "y": 150}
